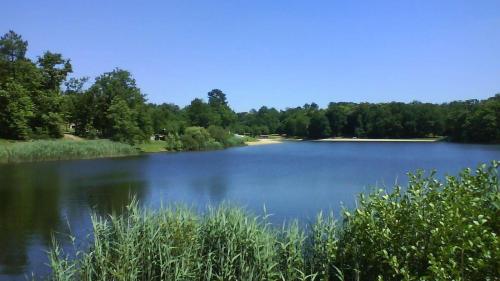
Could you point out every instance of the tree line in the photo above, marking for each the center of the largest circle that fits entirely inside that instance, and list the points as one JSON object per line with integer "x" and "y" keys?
{"x": 38, "y": 100}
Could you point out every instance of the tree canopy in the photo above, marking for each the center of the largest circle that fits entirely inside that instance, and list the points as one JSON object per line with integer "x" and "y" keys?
{"x": 34, "y": 105}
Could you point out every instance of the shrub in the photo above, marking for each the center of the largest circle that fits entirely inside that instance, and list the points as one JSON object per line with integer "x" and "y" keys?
{"x": 235, "y": 141}
{"x": 431, "y": 231}
{"x": 224, "y": 137}
{"x": 198, "y": 138}
{"x": 173, "y": 142}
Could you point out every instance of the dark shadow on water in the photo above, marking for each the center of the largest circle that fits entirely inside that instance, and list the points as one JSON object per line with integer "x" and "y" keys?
{"x": 38, "y": 200}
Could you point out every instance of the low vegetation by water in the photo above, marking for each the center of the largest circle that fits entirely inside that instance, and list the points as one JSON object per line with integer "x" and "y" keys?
{"x": 195, "y": 139}
{"x": 45, "y": 150}
{"x": 434, "y": 230}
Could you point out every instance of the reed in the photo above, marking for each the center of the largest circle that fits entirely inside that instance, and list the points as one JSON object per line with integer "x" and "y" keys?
{"x": 45, "y": 150}
{"x": 434, "y": 230}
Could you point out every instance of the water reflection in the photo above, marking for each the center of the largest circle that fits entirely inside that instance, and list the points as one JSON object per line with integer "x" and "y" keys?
{"x": 37, "y": 200}
{"x": 29, "y": 210}
{"x": 217, "y": 189}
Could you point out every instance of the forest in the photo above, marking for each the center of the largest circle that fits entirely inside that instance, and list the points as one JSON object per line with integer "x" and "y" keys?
{"x": 39, "y": 100}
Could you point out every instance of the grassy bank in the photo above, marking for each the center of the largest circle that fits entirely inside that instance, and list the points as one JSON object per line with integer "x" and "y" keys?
{"x": 195, "y": 139}
{"x": 152, "y": 146}
{"x": 433, "y": 231}
{"x": 45, "y": 150}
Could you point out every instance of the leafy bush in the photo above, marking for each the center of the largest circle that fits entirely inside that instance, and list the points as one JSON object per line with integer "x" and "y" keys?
{"x": 224, "y": 137}
{"x": 234, "y": 141}
{"x": 431, "y": 231}
{"x": 198, "y": 138}
{"x": 173, "y": 142}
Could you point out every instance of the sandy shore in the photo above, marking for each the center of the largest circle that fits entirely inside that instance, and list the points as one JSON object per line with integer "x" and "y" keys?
{"x": 379, "y": 140}
{"x": 264, "y": 141}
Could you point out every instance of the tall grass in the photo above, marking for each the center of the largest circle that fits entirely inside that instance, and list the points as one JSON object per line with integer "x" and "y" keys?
{"x": 44, "y": 150}
{"x": 433, "y": 231}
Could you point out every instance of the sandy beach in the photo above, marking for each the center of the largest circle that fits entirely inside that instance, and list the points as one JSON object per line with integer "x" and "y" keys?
{"x": 264, "y": 141}
{"x": 378, "y": 140}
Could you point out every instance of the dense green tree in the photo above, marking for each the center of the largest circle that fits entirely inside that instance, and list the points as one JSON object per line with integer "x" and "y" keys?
{"x": 296, "y": 125}
{"x": 318, "y": 126}
{"x": 217, "y": 98}
{"x": 12, "y": 46}
{"x": 15, "y": 110}
{"x": 201, "y": 114}
{"x": 337, "y": 117}
{"x": 118, "y": 89}
{"x": 166, "y": 118}
{"x": 124, "y": 127}
{"x": 54, "y": 69}
{"x": 36, "y": 86}
{"x": 219, "y": 105}
{"x": 12, "y": 50}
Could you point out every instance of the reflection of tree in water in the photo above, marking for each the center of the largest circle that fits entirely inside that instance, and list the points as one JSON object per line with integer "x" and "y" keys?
{"x": 212, "y": 190}
{"x": 113, "y": 194}
{"x": 29, "y": 207}
{"x": 35, "y": 200}
{"x": 217, "y": 189}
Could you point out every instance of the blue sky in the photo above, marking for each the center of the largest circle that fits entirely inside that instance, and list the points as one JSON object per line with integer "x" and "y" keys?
{"x": 272, "y": 52}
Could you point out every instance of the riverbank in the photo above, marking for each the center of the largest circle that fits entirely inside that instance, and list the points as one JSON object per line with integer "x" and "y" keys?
{"x": 62, "y": 149}
{"x": 263, "y": 142}
{"x": 379, "y": 140}
{"x": 432, "y": 218}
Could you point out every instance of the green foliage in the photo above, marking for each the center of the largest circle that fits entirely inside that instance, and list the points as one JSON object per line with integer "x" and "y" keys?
{"x": 45, "y": 150}
{"x": 224, "y": 137}
{"x": 319, "y": 126}
{"x": 198, "y": 138}
{"x": 201, "y": 114}
{"x": 15, "y": 111}
{"x": 12, "y": 47}
{"x": 118, "y": 108}
{"x": 54, "y": 69}
{"x": 233, "y": 140}
{"x": 166, "y": 118}
{"x": 32, "y": 105}
{"x": 30, "y": 97}
{"x": 123, "y": 126}
{"x": 337, "y": 117}
{"x": 431, "y": 231}
{"x": 173, "y": 142}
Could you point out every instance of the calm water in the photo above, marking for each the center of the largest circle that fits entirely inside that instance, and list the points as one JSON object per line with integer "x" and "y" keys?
{"x": 293, "y": 180}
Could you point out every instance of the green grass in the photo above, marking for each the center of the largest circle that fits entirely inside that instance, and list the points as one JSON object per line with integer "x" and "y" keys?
{"x": 433, "y": 231}
{"x": 46, "y": 150}
{"x": 152, "y": 146}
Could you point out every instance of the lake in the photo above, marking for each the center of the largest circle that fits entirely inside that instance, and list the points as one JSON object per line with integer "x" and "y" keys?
{"x": 292, "y": 180}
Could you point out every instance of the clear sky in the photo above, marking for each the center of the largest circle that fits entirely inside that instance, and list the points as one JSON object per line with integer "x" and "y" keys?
{"x": 272, "y": 52}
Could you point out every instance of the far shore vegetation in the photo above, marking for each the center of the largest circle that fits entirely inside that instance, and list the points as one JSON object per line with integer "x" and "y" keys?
{"x": 39, "y": 100}
{"x": 428, "y": 230}
{"x": 49, "y": 150}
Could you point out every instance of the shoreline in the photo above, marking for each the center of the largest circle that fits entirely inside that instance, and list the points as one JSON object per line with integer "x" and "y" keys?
{"x": 263, "y": 142}
{"x": 281, "y": 140}
{"x": 378, "y": 140}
